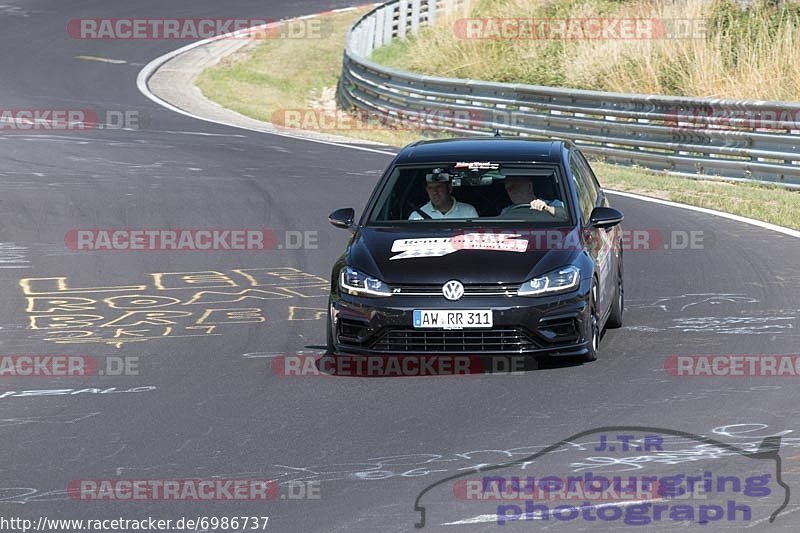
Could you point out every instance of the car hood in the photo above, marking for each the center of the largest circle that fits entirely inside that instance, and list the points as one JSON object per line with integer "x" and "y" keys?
{"x": 471, "y": 255}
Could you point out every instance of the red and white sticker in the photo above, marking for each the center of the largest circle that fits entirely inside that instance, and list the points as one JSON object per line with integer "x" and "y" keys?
{"x": 439, "y": 246}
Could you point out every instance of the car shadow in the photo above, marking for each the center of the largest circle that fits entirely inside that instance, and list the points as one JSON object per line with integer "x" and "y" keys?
{"x": 433, "y": 365}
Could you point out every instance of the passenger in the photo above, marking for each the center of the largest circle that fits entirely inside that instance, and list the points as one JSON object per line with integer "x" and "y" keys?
{"x": 442, "y": 203}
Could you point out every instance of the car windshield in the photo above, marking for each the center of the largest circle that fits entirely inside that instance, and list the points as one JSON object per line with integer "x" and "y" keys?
{"x": 472, "y": 193}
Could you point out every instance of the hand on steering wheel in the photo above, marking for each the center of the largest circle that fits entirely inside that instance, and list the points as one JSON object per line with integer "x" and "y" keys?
{"x": 538, "y": 206}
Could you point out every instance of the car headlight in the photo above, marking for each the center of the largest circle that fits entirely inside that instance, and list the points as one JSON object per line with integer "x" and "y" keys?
{"x": 357, "y": 283}
{"x": 561, "y": 280}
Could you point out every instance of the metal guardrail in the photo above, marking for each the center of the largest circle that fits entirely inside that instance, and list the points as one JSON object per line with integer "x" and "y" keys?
{"x": 733, "y": 139}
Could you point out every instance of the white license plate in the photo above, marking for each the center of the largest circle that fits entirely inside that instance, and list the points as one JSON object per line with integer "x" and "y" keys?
{"x": 452, "y": 319}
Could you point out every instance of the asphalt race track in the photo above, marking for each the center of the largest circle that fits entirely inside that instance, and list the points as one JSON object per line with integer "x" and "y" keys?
{"x": 205, "y": 402}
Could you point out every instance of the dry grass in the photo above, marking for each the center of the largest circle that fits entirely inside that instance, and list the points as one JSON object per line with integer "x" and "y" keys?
{"x": 295, "y": 75}
{"x": 730, "y": 53}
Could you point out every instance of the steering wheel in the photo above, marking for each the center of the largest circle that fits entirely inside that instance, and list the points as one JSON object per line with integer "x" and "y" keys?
{"x": 520, "y": 206}
{"x": 536, "y": 214}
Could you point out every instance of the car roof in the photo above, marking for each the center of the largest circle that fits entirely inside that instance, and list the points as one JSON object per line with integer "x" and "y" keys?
{"x": 483, "y": 149}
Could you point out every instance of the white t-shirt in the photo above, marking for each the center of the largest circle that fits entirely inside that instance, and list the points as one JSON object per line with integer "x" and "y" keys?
{"x": 459, "y": 210}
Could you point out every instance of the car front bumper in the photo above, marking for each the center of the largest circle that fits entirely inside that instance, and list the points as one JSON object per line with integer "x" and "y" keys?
{"x": 549, "y": 325}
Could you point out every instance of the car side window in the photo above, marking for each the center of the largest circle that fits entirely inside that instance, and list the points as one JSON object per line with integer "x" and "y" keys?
{"x": 591, "y": 180}
{"x": 585, "y": 200}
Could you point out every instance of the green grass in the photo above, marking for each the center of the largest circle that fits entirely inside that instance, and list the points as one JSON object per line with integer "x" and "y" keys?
{"x": 395, "y": 53}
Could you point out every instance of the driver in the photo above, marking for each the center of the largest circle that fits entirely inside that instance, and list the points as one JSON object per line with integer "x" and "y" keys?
{"x": 520, "y": 191}
{"x": 442, "y": 204}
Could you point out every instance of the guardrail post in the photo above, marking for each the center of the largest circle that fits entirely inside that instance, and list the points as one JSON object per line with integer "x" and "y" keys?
{"x": 370, "y": 36}
{"x": 379, "y": 28}
{"x": 402, "y": 18}
{"x": 415, "y": 12}
{"x": 388, "y": 20}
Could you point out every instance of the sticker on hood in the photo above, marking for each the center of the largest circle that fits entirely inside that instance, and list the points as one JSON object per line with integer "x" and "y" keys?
{"x": 439, "y": 246}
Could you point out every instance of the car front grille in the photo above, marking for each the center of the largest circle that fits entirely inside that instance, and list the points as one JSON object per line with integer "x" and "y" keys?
{"x": 469, "y": 290}
{"x": 410, "y": 340}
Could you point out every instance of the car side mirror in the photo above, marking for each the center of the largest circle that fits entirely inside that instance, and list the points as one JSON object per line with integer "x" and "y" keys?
{"x": 342, "y": 218}
{"x": 605, "y": 217}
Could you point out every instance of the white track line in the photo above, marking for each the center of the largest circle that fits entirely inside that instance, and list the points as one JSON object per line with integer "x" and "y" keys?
{"x": 150, "y": 68}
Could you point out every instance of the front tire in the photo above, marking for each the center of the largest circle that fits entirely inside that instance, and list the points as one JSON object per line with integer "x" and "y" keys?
{"x": 593, "y": 344}
{"x": 331, "y": 349}
{"x": 615, "y": 316}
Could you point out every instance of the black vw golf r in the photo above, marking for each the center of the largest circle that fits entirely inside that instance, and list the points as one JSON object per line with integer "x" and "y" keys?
{"x": 479, "y": 245}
